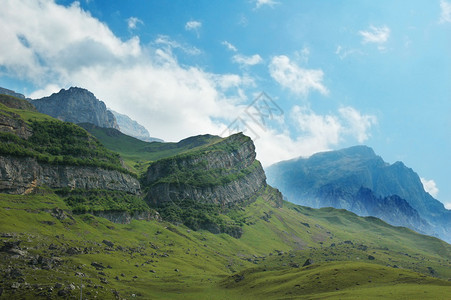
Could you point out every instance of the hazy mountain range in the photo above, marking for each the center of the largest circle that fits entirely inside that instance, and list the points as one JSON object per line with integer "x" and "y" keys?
{"x": 358, "y": 180}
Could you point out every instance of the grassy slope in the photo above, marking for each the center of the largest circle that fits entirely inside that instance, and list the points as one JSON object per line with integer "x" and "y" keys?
{"x": 206, "y": 263}
{"x": 138, "y": 154}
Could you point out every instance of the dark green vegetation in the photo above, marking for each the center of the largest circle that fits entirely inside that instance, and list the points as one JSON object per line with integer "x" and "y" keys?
{"x": 46, "y": 250}
{"x": 83, "y": 201}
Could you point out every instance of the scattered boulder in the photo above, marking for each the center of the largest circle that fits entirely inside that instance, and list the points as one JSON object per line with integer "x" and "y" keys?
{"x": 308, "y": 262}
{"x": 58, "y": 213}
{"x": 74, "y": 251}
{"x": 108, "y": 243}
{"x": 370, "y": 257}
{"x": 238, "y": 277}
{"x": 98, "y": 266}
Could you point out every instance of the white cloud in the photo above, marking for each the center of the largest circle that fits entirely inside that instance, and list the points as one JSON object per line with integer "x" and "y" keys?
{"x": 445, "y": 11}
{"x": 315, "y": 133}
{"x": 260, "y": 3}
{"x": 164, "y": 40}
{"x": 299, "y": 80}
{"x": 247, "y": 60}
{"x": 229, "y": 46}
{"x": 430, "y": 186}
{"x": 132, "y": 22}
{"x": 376, "y": 35}
{"x": 193, "y": 26}
{"x": 358, "y": 125}
{"x": 344, "y": 52}
{"x": 448, "y": 205}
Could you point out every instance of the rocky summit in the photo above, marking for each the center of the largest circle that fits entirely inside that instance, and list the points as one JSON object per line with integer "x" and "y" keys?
{"x": 76, "y": 105}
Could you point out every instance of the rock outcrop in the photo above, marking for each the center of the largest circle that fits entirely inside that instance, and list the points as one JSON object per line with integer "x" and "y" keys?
{"x": 223, "y": 173}
{"x": 20, "y": 175}
{"x": 76, "y": 105}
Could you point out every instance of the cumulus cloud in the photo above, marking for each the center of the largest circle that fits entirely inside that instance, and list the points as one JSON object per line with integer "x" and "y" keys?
{"x": 357, "y": 125}
{"x": 430, "y": 186}
{"x": 247, "y": 60}
{"x": 229, "y": 46}
{"x": 376, "y": 35}
{"x": 445, "y": 16}
{"x": 299, "y": 80}
{"x": 261, "y": 3}
{"x": 315, "y": 133}
{"x": 132, "y": 22}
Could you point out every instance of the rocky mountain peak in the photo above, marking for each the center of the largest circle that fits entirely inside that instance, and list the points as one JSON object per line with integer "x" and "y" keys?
{"x": 76, "y": 105}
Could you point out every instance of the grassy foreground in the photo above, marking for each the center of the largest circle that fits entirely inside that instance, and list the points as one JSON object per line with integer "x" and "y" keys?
{"x": 58, "y": 253}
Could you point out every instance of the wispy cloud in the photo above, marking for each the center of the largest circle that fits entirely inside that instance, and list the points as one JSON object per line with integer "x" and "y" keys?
{"x": 229, "y": 46}
{"x": 430, "y": 186}
{"x": 247, "y": 60}
{"x": 344, "y": 52}
{"x": 193, "y": 26}
{"x": 445, "y": 16}
{"x": 132, "y": 22}
{"x": 164, "y": 40}
{"x": 376, "y": 35}
{"x": 260, "y": 3}
{"x": 299, "y": 80}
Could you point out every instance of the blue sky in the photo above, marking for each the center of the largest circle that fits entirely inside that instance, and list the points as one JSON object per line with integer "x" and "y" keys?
{"x": 334, "y": 73}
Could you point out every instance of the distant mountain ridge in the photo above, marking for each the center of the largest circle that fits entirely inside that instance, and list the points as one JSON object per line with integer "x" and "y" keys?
{"x": 336, "y": 179}
{"x": 132, "y": 128}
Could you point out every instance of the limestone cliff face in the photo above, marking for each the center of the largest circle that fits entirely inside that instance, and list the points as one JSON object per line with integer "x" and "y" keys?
{"x": 223, "y": 173}
{"x": 21, "y": 175}
{"x": 76, "y": 105}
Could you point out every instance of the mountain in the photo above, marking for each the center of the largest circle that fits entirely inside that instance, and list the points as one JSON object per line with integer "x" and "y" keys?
{"x": 132, "y": 128}
{"x": 76, "y": 105}
{"x": 336, "y": 179}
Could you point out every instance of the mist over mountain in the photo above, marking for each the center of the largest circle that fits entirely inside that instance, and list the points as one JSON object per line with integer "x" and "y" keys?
{"x": 358, "y": 180}
{"x": 132, "y": 128}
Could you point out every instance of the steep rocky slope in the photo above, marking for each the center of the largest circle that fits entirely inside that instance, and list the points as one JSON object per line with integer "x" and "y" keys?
{"x": 335, "y": 178}
{"x": 21, "y": 175}
{"x": 223, "y": 173}
{"x": 76, "y": 105}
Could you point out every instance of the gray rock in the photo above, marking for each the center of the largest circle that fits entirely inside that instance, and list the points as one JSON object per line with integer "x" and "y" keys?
{"x": 76, "y": 105}
{"x": 108, "y": 243}
{"x": 308, "y": 262}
